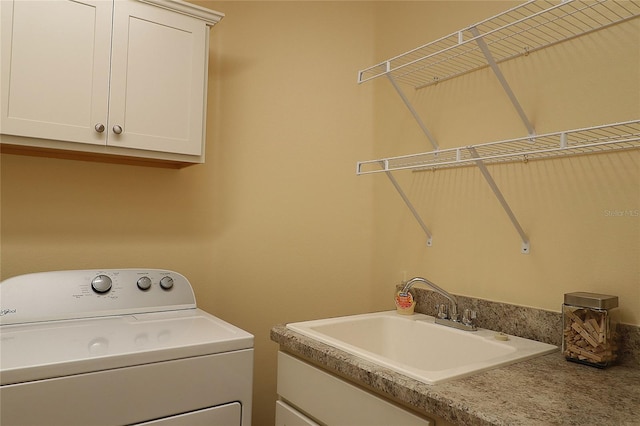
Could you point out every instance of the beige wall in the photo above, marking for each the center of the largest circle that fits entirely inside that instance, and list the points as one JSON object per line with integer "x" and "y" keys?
{"x": 276, "y": 227}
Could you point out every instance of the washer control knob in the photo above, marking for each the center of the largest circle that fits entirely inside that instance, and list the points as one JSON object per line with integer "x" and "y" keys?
{"x": 101, "y": 284}
{"x": 166, "y": 283}
{"x": 144, "y": 283}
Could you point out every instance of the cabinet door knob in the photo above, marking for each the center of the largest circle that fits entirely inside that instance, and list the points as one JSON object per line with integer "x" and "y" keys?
{"x": 99, "y": 127}
{"x": 117, "y": 129}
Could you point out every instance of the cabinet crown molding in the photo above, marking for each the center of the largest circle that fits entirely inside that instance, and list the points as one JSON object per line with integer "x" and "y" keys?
{"x": 211, "y": 17}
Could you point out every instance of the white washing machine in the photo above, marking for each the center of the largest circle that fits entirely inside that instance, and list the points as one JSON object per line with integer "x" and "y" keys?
{"x": 118, "y": 347}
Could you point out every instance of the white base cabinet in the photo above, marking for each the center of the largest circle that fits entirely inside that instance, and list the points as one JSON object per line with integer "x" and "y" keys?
{"x": 123, "y": 77}
{"x": 311, "y": 396}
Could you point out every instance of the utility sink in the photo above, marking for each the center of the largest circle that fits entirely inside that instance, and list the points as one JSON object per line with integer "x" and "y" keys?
{"x": 415, "y": 346}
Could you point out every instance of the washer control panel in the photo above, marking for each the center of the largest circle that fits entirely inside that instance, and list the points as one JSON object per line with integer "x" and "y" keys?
{"x": 59, "y": 295}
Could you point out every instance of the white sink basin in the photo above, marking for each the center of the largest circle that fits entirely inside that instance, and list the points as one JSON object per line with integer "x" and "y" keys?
{"x": 417, "y": 347}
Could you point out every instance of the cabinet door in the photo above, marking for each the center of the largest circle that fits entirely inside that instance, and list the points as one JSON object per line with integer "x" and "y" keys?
{"x": 330, "y": 400}
{"x": 157, "y": 79}
{"x": 55, "y": 68}
{"x": 223, "y": 415}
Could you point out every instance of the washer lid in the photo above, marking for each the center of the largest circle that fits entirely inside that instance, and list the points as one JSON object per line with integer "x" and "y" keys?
{"x": 61, "y": 348}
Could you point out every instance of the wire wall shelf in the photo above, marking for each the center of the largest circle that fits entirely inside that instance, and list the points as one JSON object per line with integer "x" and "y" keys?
{"x": 591, "y": 140}
{"x": 519, "y": 31}
{"x": 515, "y": 32}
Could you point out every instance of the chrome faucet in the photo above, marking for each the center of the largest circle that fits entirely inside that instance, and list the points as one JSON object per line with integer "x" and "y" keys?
{"x": 448, "y": 317}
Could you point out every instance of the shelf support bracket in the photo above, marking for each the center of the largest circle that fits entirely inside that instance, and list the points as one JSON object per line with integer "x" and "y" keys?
{"x": 411, "y": 208}
{"x": 406, "y": 101}
{"x": 503, "y": 81}
{"x": 525, "y": 247}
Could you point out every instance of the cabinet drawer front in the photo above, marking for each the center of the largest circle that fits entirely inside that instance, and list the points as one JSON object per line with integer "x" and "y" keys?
{"x": 288, "y": 416}
{"x": 334, "y": 401}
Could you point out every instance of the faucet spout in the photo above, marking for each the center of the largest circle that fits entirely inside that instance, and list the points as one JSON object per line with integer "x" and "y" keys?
{"x": 453, "y": 311}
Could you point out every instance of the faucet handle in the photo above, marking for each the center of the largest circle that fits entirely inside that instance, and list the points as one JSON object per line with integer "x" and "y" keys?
{"x": 442, "y": 311}
{"x": 453, "y": 312}
{"x": 468, "y": 316}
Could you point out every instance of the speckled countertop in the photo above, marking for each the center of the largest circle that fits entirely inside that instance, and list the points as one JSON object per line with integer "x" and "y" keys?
{"x": 546, "y": 390}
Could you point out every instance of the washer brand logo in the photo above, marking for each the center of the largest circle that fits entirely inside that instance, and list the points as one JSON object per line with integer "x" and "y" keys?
{"x": 4, "y": 312}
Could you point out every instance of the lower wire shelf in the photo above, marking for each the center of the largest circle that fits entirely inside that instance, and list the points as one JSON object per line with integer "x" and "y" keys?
{"x": 590, "y": 140}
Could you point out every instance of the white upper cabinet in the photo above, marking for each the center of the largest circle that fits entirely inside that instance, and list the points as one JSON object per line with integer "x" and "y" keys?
{"x": 120, "y": 77}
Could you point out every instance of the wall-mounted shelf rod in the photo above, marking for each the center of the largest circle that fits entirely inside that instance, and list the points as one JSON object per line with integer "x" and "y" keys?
{"x": 525, "y": 247}
{"x": 503, "y": 81}
{"x": 590, "y": 140}
{"x": 414, "y": 212}
{"x": 413, "y": 111}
